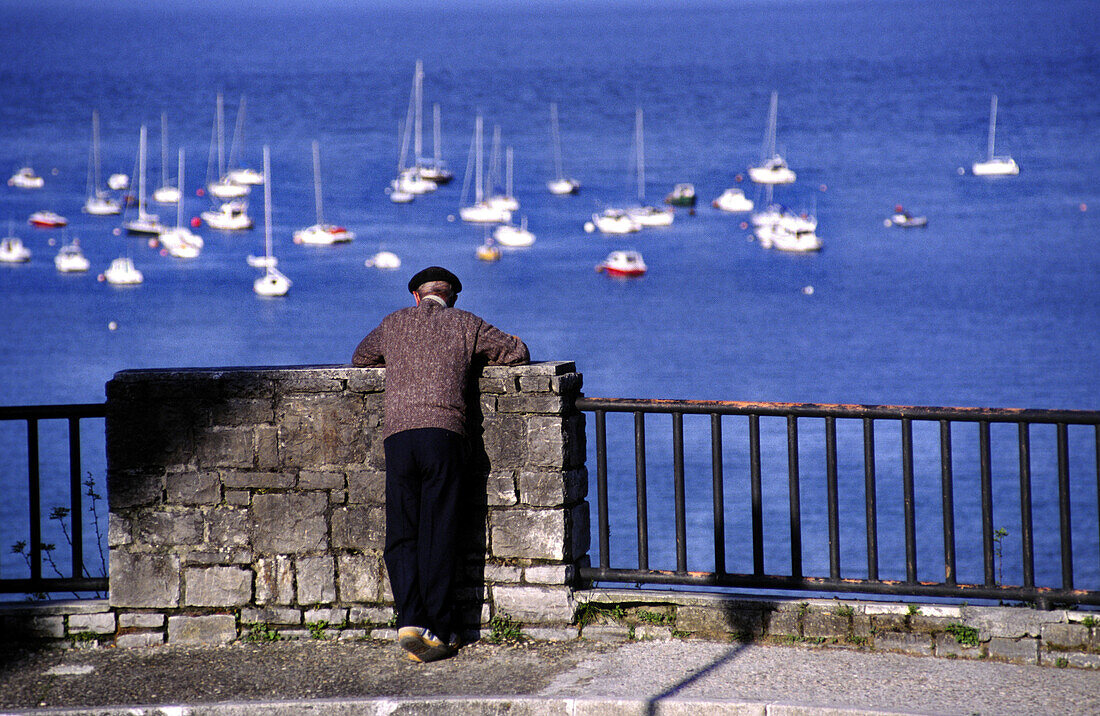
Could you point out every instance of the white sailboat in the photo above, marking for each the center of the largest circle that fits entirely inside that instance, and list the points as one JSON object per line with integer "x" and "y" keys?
{"x": 273, "y": 282}
{"x": 994, "y": 165}
{"x": 560, "y": 185}
{"x": 321, "y": 234}
{"x": 145, "y": 223}
{"x": 165, "y": 193}
{"x": 777, "y": 227}
{"x": 221, "y": 187}
{"x": 506, "y": 201}
{"x": 386, "y": 260}
{"x": 435, "y": 169}
{"x": 98, "y": 203}
{"x": 229, "y": 216}
{"x": 234, "y": 173}
{"x": 512, "y": 235}
{"x": 70, "y": 259}
{"x": 481, "y": 211}
{"x": 734, "y": 201}
{"x": 410, "y": 180}
{"x": 122, "y": 272}
{"x": 12, "y": 250}
{"x": 645, "y": 214}
{"x": 180, "y": 241}
{"x": 773, "y": 168}
{"x": 25, "y": 178}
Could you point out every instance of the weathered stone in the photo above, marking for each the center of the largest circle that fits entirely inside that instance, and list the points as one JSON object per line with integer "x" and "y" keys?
{"x": 1020, "y": 651}
{"x": 102, "y": 623}
{"x": 554, "y": 442}
{"x": 242, "y": 411}
{"x": 224, "y": 555}
{"x": 1080, "y": 661}
{"x": 168, "y": 529}
{"x": 213, "y": 629}
{"x": 316, "y": 580}
{"x": 238, "y": 498}
{"x": 274, "y": 580}
{"x": 193, "y": 488}
{"x": 138, "y": 639}
{"x": 1065, "y": 636}
{"x": 314, "y": 381}
{"x": 507, "y": 443}
{"x": 534, "y": 605}
{"x": 782, "y": 623}
{"x": 948, "y": 645}
{"x": 316, "y": 430}
{"x": 506, "y": 573}
{"x": 815, "y": 624}
{"x": 553, "y": 488}
{"x": 534, "y": 383}
{"x": 289, "y": 523}
{"x": 228, "y": 527}
{"x": 918, "y": 644}
{"x": 500, "y": 489}
{"x": 271, "y": 615}
{"x": 337, "y": 497}
{"x": 370, "y": 615}
{"x": 267, "y": 448}
{"x": 225, "y": 447}
{"x": 651, "y": 632}
{"x": 217, "y": 586}
{"x": 118, "y": 530}
{"x": 366, "y": 380}
{"x": 241, "y": 479}
{"x": 43, "y": 627}
{"x": 367, "y": 487}
{"x": 1007, "y": 622}
{"x": 553, "y": 633}
{"x": 140, "y": 620}
{"x": 360, "y": 578}
{"x": 249, "y": 384}
{"x": 548, "y": 574}
{"x": 144, "y": 580}
{"x": 532, "y": 534}
{"x": 359, "y": 527}
{"x": 531, "y": 403}
{"x": 333, "y": 616}
{"x": 890, "y": 622}
{"x": 493, "y": 385}
{"x": 567, "y": 384}
{"x": 137, "y": 488}
{"x": 317, "y": 480}
{"x": 605, "y": 633}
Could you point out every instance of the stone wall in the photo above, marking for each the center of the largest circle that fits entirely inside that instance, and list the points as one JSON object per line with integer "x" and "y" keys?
{"x": 252, "y": 500}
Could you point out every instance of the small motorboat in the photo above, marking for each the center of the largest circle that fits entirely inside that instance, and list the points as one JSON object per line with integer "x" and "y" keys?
{"x": 397, "y": 196}
{"x": 563, "y": 187}
{"x": 681, "y": 195}
{"x": 118, "y": 182}
{"x": 412, "y": 181}
{"x": 734, "y": 201}
{"x": 47, "y": 220}
{"x": 246, "y": 176}
{"x": 167, "y": 194}
{"x": 613, "y": 221}
{"x": 383, "y": 260}
{"x": 181, "y": 243}
{"x": 101, "y": 205}
{"x": 651, "y": 215}
{"x": 905, "y": 220}
{"x": 25, "y": 178}
{"x": 782, "y": 238}
{"x": 70, "y": 259}
{"x": 323, "y": 235}
{"x": 512, "y": 235}
{"x": 622, "y": 264}
{"x": 122, "y": 272}
{"x": 772, "y": 171}
{"x": 229, "y": 216}
{"x": 12, "y": 251}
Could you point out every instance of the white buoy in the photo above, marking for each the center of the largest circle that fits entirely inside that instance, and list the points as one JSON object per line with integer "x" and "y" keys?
{"x": 450, "y": 217}
{"x": 589, "y": 227}
{"x": 808, "y": 290}
{"x": 961, "y": 171}
{"x": 112, "y": 326}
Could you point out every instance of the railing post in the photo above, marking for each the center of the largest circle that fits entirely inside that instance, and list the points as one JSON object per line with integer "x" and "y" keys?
{"x": 795, "y": 499}
{"x": 755, "y": 496}
{"x": 75, "y": 510}
{"x": 987, "y": 502}
{"x": 35, "y": 500}
{"x": 601, "y": 489}
{"x": 1063, "y": 507}
{"x": 908, "y": 500}
{"x": 640, "y": 488}
{"x": 870, "y": 497}
{"x": 947, "y": 486}
{"x": 678, "y": 490}
{"x": 718, "y": 491}
{"x": 831, "y": 497}
{"x": 1026, "y": 536}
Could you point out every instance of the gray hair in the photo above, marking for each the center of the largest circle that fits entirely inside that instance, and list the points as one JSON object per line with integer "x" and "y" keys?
{"x": 435, "y": 288}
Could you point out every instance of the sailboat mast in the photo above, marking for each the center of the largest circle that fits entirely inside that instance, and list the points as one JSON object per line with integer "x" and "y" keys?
{"x": 559, "y": 172}
{"x": 773, "y": 117}
{"x": 141, "y": 172}
{"x": 164, "y": 149}
{"x": 437, "y": 144}
{"x": 478, "y": 151}
{"x": 179, "y": 182}
{"x": 508, "y": 181}
{"x": 992, "y": 125}
{"x": 219, "y": 121}
{"x": 639, "y": 142}
{"x": 418, "y": 84}
{"x": 95, "y": 147}
{"x": 238, "y": 137}
{"x": 317, "y": 180}
{"x": 267, "y": 206}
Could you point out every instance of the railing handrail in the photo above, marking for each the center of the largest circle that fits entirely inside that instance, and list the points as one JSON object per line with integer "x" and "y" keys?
{"x": 50, "y": 412}
{"x": 840, "y": 410}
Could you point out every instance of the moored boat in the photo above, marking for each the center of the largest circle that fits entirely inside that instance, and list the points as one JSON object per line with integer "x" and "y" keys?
{"x": 622, "y": 264}
{"x": 383, "y": 260}
{"x": 321, "y": 234}
{"x": 773, "y": 168}
{"x": 122, "y": 272}
{"x": 994, "y": 165}
{"x": 25, "y": 178}
{"x": 12, "y": 251}
{"x": 228, "y": 216}
{"x": 905, "y": 220}
{"x": 734, "y": 201}
{"x": 70, "y": 259}
{"x": 681, "y": 195}
{"x": 47, "y": 220}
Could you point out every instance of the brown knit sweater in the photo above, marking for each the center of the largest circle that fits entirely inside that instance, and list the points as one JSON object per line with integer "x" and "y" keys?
{"x": 428, "y": 350}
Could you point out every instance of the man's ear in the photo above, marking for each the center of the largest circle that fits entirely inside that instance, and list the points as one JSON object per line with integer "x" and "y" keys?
{"x": 416, "y": 297}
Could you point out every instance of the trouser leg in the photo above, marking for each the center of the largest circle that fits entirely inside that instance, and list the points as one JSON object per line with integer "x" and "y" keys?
{"x": 438, "y": 549}
{"x": 402, "y": 524}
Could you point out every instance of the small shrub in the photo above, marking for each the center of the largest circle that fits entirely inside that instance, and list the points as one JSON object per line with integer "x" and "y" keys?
{"x": 588, "y": 612}
{"x": 317, "y": 630}
{"x": 914, "y": 610}
{"x": 260, "y": 633}
{"x": 845, "y": 611}
{"x": 1089, "y": 622}
{"x": 84, "y": 637}
{"x": 1061, "y": 662}
{"x": 657, "y": 618}
{"x": 503, "y": 629}
{"x": 965, "y": 635}
{"x": 857, "y": 640}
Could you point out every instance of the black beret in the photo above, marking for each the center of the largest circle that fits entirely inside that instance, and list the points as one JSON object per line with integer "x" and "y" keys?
{"x": 435, "y": 273}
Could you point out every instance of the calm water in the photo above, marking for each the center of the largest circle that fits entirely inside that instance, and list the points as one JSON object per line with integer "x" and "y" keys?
{"x": 996, "y": 303}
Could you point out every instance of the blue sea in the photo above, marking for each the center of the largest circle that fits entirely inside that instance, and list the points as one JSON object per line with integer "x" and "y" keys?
{"x": 881, "y": 102}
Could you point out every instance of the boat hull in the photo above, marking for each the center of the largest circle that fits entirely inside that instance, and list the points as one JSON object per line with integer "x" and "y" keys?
{"x": 1000, "y": 167}
{"x": 767, "y": 175}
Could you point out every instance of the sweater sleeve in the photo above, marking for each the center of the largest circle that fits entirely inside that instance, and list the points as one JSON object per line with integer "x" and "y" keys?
{"x": 500, "y": 348}
{"x": 369, "y": 350}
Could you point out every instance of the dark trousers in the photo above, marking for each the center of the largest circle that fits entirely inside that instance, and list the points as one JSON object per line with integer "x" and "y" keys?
{"x": 424, "y": 470}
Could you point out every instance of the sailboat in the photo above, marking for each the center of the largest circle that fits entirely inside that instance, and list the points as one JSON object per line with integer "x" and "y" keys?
{"x": 180, "y": 241}
{"x": 777, "y": 227}
{"x": 234, "y": 173}
{"x": 321, "y": 233}
{"x": 98, "y": 202}
{"x": 273, "y": 282}
{"x": 70, "y": 259}
{"x": 994, "y": 165}
{"x": 435, "y": 169}
{"x": 560, "y": 185}
{"x": 773, "y": 168}
{"x": 222, "y": 187}
{"x": 511, "y": 235}
{"x": 12, "y": 250}
{"x": 410, "y": 180}
{"x": 645, "y": 214}
{"x": 145, "y": 223}
{"x": 480, "y": 211}
{"x": 25, "y": 178}
{"x": 122, "y": 272}
{"x": 165, "y": 193}
{"x": 507, "y": 200}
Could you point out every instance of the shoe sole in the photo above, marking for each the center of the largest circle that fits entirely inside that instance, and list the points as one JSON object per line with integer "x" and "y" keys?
{"x": 420, "y": 650}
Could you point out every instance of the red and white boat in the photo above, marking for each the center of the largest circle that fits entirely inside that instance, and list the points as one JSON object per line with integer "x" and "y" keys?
{"x": 622, "y": 264}
{"x": 47, "y": 220}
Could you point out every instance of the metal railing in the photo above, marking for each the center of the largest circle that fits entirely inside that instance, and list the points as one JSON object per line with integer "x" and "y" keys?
{"x": 865, "y": 576}
{"x": 77, "y": 581}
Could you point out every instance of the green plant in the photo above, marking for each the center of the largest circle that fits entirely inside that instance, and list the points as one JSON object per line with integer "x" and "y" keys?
{"x": 965, "y": 635}
{"x": 857, "y": 640}
{"x": 1061, "y": 662}
{"x": 393, "y": 621}
{"x": 803, "y": 607}
{"x": 84, "y": 637}
{"x": 914, "y": 610}
{"x": 845, "y": 611}
{"x": 998, "y": 551}
{"x": 260, "y": 633}
{"x": 680, "y": 634}
{"x": 504, "y": 629}
{"x": 1089, "y": 621}
{"x": 657, "y": 618}
{"x": 317, "y": 630}
{"x": 588, "y": 612}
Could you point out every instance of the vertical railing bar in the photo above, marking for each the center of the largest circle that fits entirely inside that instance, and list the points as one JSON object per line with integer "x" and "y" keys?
{"x": 870, "y": 497}
{"x": 640, "y": 487}
{"x": 950, "y": 574}
{"x": 756, "y": 496}
{"x": 718, "y": 491}
{"x": 35, "y": 500}
{"x": 1063, "y": 507}
{"x": 76, "y": 512}
{"x": 795, "y": 500}
{"x": 908, "y": 500}
{"x": 1096, "y": 430}
{"x": 678, "y": 490}
{"x": 987, "y": 502}
{"x": 601, "y": 488}
{"x": 831, "y": 496}
{"x": 1026, "y": 536}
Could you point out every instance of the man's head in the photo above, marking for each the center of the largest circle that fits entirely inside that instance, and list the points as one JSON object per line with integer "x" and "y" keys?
{"x": 435, "y": 281}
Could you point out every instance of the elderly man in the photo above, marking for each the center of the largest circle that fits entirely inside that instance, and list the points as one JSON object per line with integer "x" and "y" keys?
{"x": 428, "y": 350}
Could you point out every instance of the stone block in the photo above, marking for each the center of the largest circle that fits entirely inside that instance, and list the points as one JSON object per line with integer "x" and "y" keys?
{"x": 224, "y": 555}
{"x": 311, "y": 381}
{"x": 567, "y": 384}
{"x": 289, "y": 523}
{"x": 242, "y": 411}
{"x": 204, "y": 630}
{"x": 151, "y": 431}
{"x": 506, "y": 573}
{"x": 916, "y": 644}
{"x": 531, "y": 403}
{"x": 890, "y": 622}
{"x": 861, "y": 625}
{"x": 267, "y": 448}
{"x": 830, "y": 626}
{"x": 140, "y": 620}
{"x": 101, "y": 623}
{"x": 370, "y": 615}
{"x": 548, "y": 574}
{"x": 251, "y": 480}
{"x": 359, "y": 527}
{"x": 605, "y": 633}
{"x": 1080, "y": 661}
{"x": 228, "y": 527}
{"x": 1020, "y": 651}
{"x": 193, "y": 488}
{"x": 552, "y": 488}
{"x": 948, "y": 645}
{"x": 360, "y": 578}
{"x": 782, "y": 623}
{"x": 535, "y": 605}
{"x": 225, "y": 447}
{"x": 238, "y": 498}
{"x": 1066, "y": 636}
{"x": 367, "y": 487}
{"x": 493, "y": 385}
{"x": 319, "y": 480}
{"x": 534, "y": 383}
{"x": 500, "y": 489}
{"x": 337, "y": 497}
{"x": 1008, "y": 622}
{"x": 530, "y": 534}
{"x": 334, "y": 616}
{"x": 366, "y": 380}
{"x": 271, "y": 615}
{"x": 316, "y": 430}
{"x": 316, "y": 580}
{"x": 39, "y": 627}
{"x": 136, "y": 488}
{"x": 168, "y": 528}
{"x": 217, "y": 586}
{"x": 138, "y": 639}
{"x": 144, "y": 580}
{"x": 651, "y": 632}
{"x": 506, "y": 441}
{"x": 247, "y": 384}
{"x": 118, "y": 530}
{"x": 274, "y": 580}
